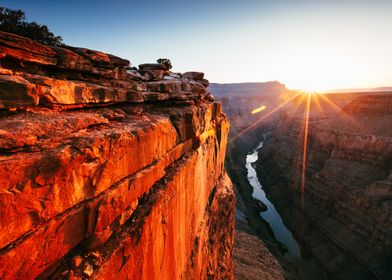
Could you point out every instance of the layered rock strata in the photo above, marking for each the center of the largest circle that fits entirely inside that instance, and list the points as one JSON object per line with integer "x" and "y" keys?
{"x": 108, "y": 172}
{"x": 345, "y": 217}
{"x": 253, "y": 258}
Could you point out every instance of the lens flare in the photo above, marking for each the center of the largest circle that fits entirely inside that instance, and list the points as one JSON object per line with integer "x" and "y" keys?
{"x": 263, "y": 117}
{"x": 258, "y": 110}
{"x": 305, "y": 146}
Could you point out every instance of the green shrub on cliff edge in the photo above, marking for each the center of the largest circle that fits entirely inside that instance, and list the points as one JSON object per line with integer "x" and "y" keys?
{"x": 14, "y": 21}
{"x": 166, "y": 62}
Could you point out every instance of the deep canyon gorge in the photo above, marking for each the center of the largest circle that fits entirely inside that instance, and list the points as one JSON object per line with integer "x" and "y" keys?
{"x": 341, "y": 218}
{"x": 109, "y": 171}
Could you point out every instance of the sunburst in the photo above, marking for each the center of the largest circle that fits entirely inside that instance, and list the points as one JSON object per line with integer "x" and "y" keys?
{"x": 312, "y": 106}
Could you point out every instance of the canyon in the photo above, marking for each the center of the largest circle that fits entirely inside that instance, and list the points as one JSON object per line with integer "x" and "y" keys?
{"x": 253, "y": 235}
{"x": 108, "y": 171}
{"x": 342, "y": 213}
{"x": 342, "y": 218}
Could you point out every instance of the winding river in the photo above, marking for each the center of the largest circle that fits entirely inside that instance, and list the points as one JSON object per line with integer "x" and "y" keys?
{"x": 271, "y": 216}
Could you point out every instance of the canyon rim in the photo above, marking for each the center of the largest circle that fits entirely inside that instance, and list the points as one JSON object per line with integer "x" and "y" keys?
{"x": 139, "y": 141}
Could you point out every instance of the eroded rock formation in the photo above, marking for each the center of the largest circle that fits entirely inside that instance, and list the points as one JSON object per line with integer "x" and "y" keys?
{"x": 254, "y": 259}
{"x": 346, "y": 218}
{"x": 108, "y": 172}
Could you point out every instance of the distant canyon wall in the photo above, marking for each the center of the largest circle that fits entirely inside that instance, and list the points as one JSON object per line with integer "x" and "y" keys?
{"x": 346, "y": 218}
{"x": 239, "y": 100}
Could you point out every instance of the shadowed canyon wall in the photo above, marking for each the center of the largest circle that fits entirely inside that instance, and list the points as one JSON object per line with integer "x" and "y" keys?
{"x": 254, "y": 241}
{"x": 344, "y": 217}
{"x": 108, "y": 172}
{"x": 344, "y": 227}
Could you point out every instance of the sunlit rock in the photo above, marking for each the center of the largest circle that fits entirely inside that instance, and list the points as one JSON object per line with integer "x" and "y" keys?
{"x": 105, "y": 175}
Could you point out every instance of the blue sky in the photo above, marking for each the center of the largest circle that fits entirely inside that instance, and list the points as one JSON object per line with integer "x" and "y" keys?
{"x": 304, "y": 44}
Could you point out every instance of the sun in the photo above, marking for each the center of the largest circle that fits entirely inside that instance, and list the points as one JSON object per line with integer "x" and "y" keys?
{"x": 309, "y": 92}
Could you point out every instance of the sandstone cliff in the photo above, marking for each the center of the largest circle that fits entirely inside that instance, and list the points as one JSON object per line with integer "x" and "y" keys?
{"x": 346, "y": 219}
{"x": 109, "y": 172}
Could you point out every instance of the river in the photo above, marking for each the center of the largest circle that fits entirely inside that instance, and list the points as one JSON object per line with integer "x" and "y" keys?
{"x": 271, "y": 216}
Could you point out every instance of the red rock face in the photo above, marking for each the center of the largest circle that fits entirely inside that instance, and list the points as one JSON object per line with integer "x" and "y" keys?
{"x": 129, "y": 184}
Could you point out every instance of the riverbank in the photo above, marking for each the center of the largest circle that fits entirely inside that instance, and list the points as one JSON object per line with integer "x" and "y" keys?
{"x": 306, "y": 268}
{"x": 251, "y": 231}
{"x": 281, "y": 233}
{"x": 249, "y": 221}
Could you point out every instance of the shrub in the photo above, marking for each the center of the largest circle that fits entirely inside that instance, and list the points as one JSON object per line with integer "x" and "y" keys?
{"x": 166, "y": 62}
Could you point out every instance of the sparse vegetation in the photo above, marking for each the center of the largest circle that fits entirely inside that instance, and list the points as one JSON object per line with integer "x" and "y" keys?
{"x": 166, "y": 62}
{"x": 14, "y": 21}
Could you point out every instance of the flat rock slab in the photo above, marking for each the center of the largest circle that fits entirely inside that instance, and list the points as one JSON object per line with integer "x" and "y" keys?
{"x": 194, "y": 75}
{"x": 16, "y": 92}
{"x": 101, "y": 59}
{"x": 26, "y": 44}
{"x": 152, "y": 66}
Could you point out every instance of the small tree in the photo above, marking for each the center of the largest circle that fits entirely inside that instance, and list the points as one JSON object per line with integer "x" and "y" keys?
{"x": 166, "y": 62}
{"x": 14, "y": 21}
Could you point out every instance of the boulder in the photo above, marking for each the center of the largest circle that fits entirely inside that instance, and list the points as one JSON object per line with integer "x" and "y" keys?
{"x": 205, "y": 82}
{"x": 152, "y": 66}
{"x": 194, "y": 75}
{"x": 259, "y": 205}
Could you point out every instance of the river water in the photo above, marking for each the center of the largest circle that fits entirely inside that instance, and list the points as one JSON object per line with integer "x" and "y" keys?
{"x": 271, "y": 216}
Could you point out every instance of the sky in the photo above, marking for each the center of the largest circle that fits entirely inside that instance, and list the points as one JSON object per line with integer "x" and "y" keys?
{"x": 311, "y": 45}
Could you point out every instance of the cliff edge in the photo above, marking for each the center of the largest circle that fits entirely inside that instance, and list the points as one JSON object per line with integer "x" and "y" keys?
{"x": 109, "y": 172}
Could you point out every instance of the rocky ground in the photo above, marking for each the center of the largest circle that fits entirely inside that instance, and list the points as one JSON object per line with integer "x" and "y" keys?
{"x": 252, "y": 259}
